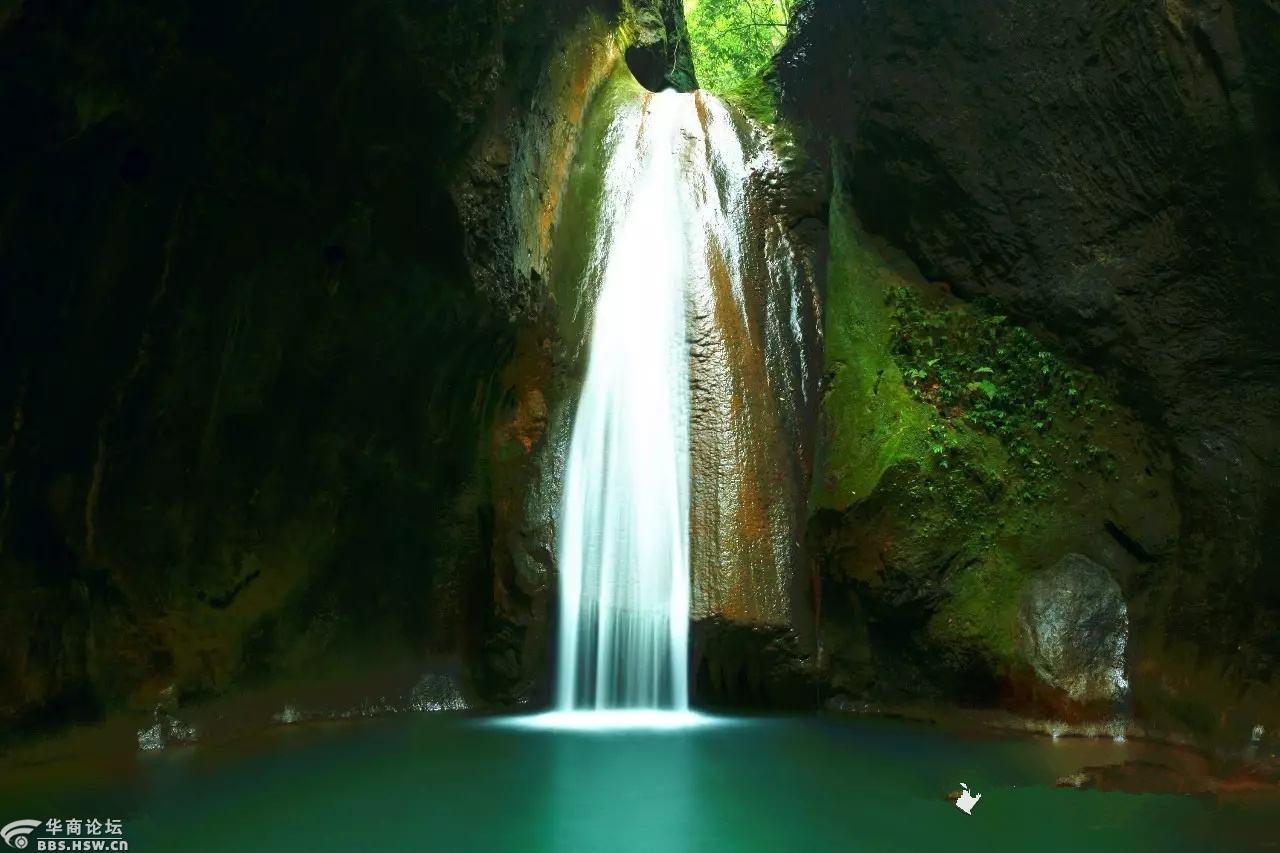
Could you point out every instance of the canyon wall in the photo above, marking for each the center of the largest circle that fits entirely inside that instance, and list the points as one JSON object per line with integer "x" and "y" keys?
{"x": 259, "y": 290}
{"x": 291, "y": 328}
{"x": 1077, "y": 205}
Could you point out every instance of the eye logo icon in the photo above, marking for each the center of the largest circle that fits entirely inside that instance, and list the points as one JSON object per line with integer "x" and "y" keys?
{"x": 15, "y": 834}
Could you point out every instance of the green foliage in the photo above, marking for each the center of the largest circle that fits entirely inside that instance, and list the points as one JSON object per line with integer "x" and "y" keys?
{"x": 733, "y": 40}
{"x": 962, "y": 451}
{"x": 756, "y": 97}
{"x": 977, "y": 369}
{"x": 872, "y": 421}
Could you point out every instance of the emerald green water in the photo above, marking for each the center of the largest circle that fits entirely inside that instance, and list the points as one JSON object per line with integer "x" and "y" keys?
{"x": 435, "y": 782}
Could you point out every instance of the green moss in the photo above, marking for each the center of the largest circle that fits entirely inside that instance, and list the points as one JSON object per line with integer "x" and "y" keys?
{"x": 982, "y": 407}
{"x": 756, "y": 95}
{"x": 944, "y": 415}
{"x": 581, "y": 207}
{"x": 625, "y": 34}
{"x": 871, "y": 419}
{"x": 960, "y": 453}
{"x": 978, "y": 370}
{"x": 981, "y": 610}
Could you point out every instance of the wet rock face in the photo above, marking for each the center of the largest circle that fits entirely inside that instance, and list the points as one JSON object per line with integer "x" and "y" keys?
{"x": 658, "y": 51}
{"x": 535, "y": 149}
{"x": 1075, "y": 628}
{"x": 739, "y": 664}
{"x": 753, "y": 317}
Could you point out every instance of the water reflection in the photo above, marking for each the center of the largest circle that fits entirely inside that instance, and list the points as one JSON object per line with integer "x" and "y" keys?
{"x": 620, "y": 791}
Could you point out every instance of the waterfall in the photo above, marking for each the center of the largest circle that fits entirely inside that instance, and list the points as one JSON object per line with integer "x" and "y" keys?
{"x": 624, "y": 517}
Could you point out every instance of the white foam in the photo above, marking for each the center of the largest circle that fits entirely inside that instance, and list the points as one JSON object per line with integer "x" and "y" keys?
{"x": 613, "y": 720}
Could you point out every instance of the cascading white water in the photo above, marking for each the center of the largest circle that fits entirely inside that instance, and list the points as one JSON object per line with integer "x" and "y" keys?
{"x": 624, "y": 518}
{"x": 624, "y": 523}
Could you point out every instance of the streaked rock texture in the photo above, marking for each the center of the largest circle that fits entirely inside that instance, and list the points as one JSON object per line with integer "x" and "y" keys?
{"x": 531, "y": 159}
{"x": 754, "y": 340}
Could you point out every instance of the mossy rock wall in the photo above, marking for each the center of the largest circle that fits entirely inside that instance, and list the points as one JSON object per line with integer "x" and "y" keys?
{"x": 962, "y": 455}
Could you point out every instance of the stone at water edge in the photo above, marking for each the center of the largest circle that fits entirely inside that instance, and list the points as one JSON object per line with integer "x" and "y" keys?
{"x": 1075, "y": 626}
{"x": 1078, "y": 780}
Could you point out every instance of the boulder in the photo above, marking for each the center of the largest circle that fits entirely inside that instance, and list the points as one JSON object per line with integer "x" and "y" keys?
{"x": 1074, "y": 626}
{"x": 658, "y": 51}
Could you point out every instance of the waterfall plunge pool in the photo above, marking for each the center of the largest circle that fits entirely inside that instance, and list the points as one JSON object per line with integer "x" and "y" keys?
{"x": 458, "y": 783}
